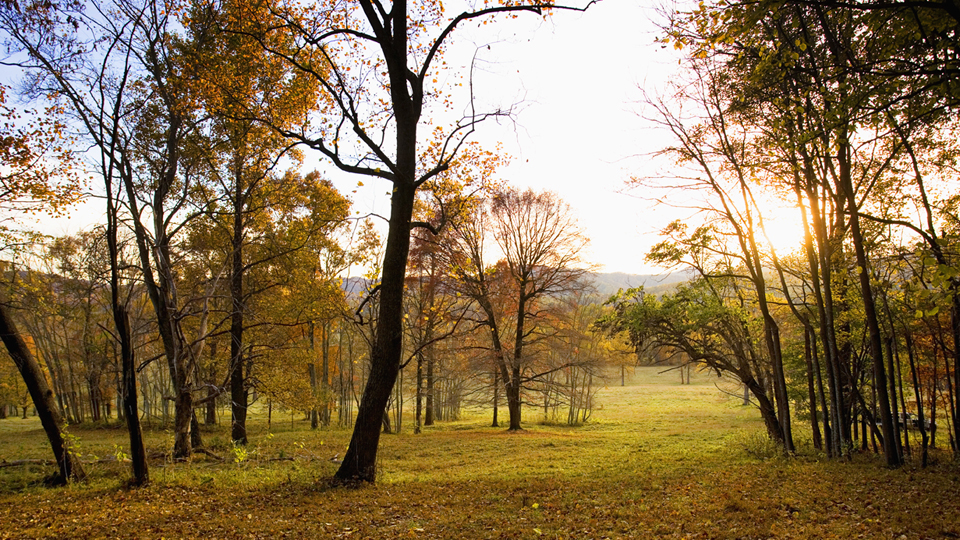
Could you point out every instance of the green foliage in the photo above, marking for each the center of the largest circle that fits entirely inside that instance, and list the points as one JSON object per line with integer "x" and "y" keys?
{"x": 757, "y": 445}
{"x": 240, "y": 453}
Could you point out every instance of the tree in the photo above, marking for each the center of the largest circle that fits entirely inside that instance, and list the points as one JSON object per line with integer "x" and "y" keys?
{"x": 238, "y": 84}
{"x": 120, "y": 81}
{"x": 707, "y": 321}
{"x": 541, "y": 244}
{"x": 434, "y": 314}
{"x": 373, "y": 131}
{"x": 846, "y": 102}
{"x": 718, "y": 149}
{"x": 28, "y": 182}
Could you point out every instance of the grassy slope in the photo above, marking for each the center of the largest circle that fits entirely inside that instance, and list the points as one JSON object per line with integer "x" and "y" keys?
{"x": 658, "y": 460}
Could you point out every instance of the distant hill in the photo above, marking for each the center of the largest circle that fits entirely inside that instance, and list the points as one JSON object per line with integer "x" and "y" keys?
{"x": 609, "y": 283}
{"x": 354, "y": 286}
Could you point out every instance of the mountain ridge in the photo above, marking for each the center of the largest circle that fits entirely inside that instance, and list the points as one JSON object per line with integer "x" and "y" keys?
{"x": 605, "y": 283}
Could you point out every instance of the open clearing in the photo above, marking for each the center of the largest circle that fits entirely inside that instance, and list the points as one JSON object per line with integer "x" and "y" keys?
{"x": 657, "y": 460}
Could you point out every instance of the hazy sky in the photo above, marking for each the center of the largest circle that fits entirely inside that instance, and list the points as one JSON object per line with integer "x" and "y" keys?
{"x": 581, "y": 134}
{"x": 576, "y": 80}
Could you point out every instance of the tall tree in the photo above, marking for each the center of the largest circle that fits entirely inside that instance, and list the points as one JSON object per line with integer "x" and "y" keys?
{"x": 378, "y": 66}
{"x": 114, "y": 68}
{"x": 719, "y": 152}
{"x": 29, "y": 181}
{"x": 833, "y": 89}
{"x": 239, "y": 83}
{"x": 542, "y": 246}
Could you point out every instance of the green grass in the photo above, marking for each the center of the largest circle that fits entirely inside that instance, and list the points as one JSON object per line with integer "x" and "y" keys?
{"x": 656, "y": 460}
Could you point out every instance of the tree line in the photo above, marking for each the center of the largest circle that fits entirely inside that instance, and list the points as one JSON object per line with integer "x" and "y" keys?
{"x": 195, "y": 117}
{"x": 219, "y": 276}
{"x": 843, "y": 113}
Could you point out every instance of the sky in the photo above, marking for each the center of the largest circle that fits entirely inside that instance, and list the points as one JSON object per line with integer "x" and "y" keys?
{"x": 576, "y": 82}
{"x": 584, "y": 136}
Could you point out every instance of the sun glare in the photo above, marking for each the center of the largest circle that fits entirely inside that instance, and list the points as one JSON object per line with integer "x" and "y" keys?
{"x": 783, "y": 226}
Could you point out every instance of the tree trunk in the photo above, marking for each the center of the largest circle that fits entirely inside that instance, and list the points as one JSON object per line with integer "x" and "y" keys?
{"x": 183, "y": 415}
{"x": 360, "y": 461}
{"x": 238, "y": 390}
{"x": 955, "y": 331}
{"x": 894, "y": 407}
{"x": 496, "y": 397}
{"x": 512, "y": 382}
{"x": 820, "y": 271}
{"x": 312, "y": 371}
{"x": 138, "y": 454}
{"x": 210, "y": 412}
{"x": 811, "y": 394}
{"x": 512, "y": 387}
{"x": 767, "y": 411}
{"x": 893, "y": 457}
{"x": 325, "y": 374}
{"x": 431, "y": 384}
{"x": 918, "y": 395}
{"x": 418, "y": 425}
{"x": 43, "y": 399}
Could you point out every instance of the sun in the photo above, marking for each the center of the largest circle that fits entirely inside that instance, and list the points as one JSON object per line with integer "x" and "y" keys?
{"x": 783, "y": 226}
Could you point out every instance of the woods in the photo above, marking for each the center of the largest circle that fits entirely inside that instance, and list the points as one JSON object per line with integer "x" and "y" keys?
{"x": 810, "y": 102}
{"x": 234, "y": 277}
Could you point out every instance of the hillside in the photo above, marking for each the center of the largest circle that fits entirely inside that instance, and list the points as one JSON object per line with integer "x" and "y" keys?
{"x": 609, "y": 283}
{"x": 606, "y": 283}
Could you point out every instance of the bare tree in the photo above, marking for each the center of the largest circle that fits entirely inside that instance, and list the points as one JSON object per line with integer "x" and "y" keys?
{"x": 541, "y": 245}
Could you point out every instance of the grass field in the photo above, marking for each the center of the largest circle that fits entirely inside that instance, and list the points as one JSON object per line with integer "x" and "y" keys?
{"x": 657, "y": 460}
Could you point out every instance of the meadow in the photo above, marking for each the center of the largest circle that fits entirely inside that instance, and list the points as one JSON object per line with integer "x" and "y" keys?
{"x": 657, "y": 460}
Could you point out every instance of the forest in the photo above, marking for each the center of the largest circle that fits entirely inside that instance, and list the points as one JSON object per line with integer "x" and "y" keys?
{"x": 232, "y": 297}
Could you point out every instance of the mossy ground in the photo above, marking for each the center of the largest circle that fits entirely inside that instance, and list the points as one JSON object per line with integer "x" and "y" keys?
{"x": 659, "y": 459}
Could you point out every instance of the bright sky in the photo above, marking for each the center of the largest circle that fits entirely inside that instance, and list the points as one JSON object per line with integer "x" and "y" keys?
{"x": 580, "y": 133}
{"x": 577, "y": 80}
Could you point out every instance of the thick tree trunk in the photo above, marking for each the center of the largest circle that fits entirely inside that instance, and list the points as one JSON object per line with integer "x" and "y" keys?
{"x": 893, "y": 457}
{"x": 210, "y": 410}
{"x": 768, "y": 411}
{"x": 512, "y": 387}
{"x": 512, "y": 382}
{"x": 43, "y": 398}
{"x": 138, "y": 454}
{"x": 360, "y": 461}
{"x": 183, "y": 414}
